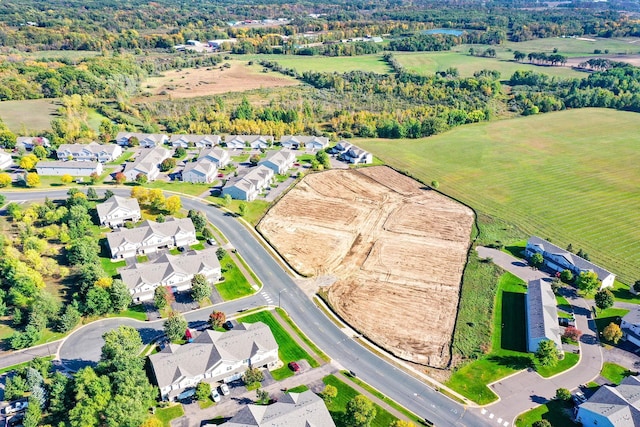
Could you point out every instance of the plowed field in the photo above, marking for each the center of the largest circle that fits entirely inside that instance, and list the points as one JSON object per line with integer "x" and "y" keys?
{"x": 397, "y": 249}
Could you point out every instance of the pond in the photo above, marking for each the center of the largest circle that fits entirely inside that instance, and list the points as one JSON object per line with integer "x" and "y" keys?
{"x": 450, "y": 31}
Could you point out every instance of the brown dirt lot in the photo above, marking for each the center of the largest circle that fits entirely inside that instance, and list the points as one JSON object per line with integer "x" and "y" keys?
{"x": 192, "y": 82}
{"x": 397, "y": 249}
{"x": 629, "y": 59}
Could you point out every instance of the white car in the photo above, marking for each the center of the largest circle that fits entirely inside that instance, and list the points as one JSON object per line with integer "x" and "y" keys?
{"x": 16, "y": 406}
{"x": 224, "y": 389}
{"x": 215, "y": 395}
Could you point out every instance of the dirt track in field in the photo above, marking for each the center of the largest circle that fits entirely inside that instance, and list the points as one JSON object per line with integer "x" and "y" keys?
{"x": 397, "y": 249}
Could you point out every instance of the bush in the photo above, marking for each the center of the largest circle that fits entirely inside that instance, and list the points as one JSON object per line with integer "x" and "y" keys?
{"x": 563, "y": 394}
{"x": 203, "y": 391}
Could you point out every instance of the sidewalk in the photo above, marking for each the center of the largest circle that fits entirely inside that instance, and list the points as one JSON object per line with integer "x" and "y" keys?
{"x": 295, "y": 336}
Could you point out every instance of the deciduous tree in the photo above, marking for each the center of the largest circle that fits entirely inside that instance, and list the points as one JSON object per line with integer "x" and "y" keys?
{"x": 141, "y": 178}
{"x": 612, "y": 333}
{"x": 32, "y": 179}
{"x": 203, "y": 391}
{"x": 252, "y": 375}
{"x": 588, "y": 282}
{"x": 28, "y": 162}
{"x": 536, "y": 260}
{"x": 360, "y": 411}
{"x": 329, "y": 393}
{"x": 217, "y": 319}
{"x": 604, "y": 299}
{"x": 120, "y": 178}
{"x": 5, "y": 180}
{"x": 200, "y": 287}
{"x": 572, "y": 333}
{"x": 175, "y": 326}
{"x": 563, "y": 394}
{"x": 173, "y": 204}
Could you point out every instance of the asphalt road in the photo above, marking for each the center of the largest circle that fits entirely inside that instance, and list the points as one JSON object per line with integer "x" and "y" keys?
{"x": 84, "y": 345}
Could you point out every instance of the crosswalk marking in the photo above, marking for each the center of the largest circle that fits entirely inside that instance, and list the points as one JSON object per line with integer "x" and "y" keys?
{"x": 267, "y": 297}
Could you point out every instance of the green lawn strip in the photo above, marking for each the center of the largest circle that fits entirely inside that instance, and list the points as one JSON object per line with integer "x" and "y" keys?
{"x": 508, "y": 345}
{"x": 622, "y": 293}
{"x": 246, "y": 267}
{"x": 610, "y": 315}
{"x": 570, "y": 360}
{"x": 302, "y": 336}
{"x": 142, "y": 258}
{"x": 615, "y": 373}
{"x": 207, "y": 403}
{"x": 338, "y": 405}
{"x": 382, "y": 397}
{"x": 288, "y": 349}
{"x": 123, "y": 158}
{"x": 111, "y": 267}
{"x": 554, "y": 192}
{"x": 515, "y": 249}
{"x": 557, "y": 412}
{"x": 47, "y": 336}
{"x": 174, "y": 251}
{"x": 298, "y": 389}
{"x": 198, "y": 246}
{"x": 167, "y": 414}
{"x": 20, "y": 365}
{"x": 134, "y": 312}
{"x": 254, "y": 210}
{"x": 235, "y": 285}
{"x": 180, "y": 187}
{"x": 253, "y": 386}
{"x": 564, "y": 308}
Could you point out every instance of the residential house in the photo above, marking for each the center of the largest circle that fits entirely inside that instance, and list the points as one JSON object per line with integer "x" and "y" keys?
{"x": 146, "y": 140}
{"x": 114, "y": 211}
{"x": 89, "y": 152}
{"x": 73, "y": 168}
{"x": 249, "y": 141}
{"x": 212, "y": 357}
{"x": 5, "y": 160}
{"x": 295, "y": 142}
{"x": 217, "y": 155}
{"x": 147, "y": 163}
{"x": 248, "y": 186}
{"x": 630, "y": 326}
{"x": 29, "y": 142}
{"x": 198, "y": 141}
{"x": 340, "y": 147}
{"x": 304, "y": 409}
{"x": 558, "y": 259}
{"x": 170, "y": 270}
{"x": 357, "y": 155}
{"x": 279, "y": 161}
{"x": 612, "y": 406}
{"x": 150, "y": 236}
{"x": 542, "y": 315}
{"x": 201, "y": 171}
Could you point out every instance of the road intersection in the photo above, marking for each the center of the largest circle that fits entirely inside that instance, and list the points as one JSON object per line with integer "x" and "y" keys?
{"x": 83, "y": 346}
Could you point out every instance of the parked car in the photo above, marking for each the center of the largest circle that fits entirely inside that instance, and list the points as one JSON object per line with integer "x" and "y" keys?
{"x": 17, "y": 406}
{"x": 579, "y": 398}
{"x": 294, "y": 366}
{"x": 212, "y": 242}
{"x": 16, "y": 420}
{"x": 220, "y": 175}
{"x": 228, "y": 325}
{"x": 224, "y": 389}
{"x": 215, "y": 396}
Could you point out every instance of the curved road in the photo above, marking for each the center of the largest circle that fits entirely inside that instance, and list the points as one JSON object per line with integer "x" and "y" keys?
{"x": 84, "y": 345}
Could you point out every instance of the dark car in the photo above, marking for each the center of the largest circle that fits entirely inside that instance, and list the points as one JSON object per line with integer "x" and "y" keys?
{"x": 16, "y": 420}
{"x": 294, "y": 366}
{"x": 228, "y": 325}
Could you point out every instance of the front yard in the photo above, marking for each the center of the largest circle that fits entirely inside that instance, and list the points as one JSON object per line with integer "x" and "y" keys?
{"x": 235, "y": 285}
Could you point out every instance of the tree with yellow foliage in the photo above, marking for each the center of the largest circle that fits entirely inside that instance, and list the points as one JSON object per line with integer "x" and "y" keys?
{"x": 28, "y": 162}
{"x": 5, "y": 180}
{"x": 173, "y": 204}
{"x": 66, "y": 179}
{"x": 32, "y": 179}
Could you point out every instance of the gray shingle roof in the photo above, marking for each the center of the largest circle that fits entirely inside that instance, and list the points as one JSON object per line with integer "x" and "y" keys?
{"x": 202, "y": 166}
{"x": 71, "y": 164}
{"x": 207, "y": 139}
{"x": 619, "y": 404}
{"x": 280, "y": 157}
{"x": 156, "y": 271}
{"x": 292, "y": 410}
{"x": 633, "y": 317}
{"x": 170, "y": 227}
{"x": 249, "y": 138}
{"x": 209, "y": 349}
{"x": 574, "y": 259}
{"x": 148, "y": 159}
{"x": 304, "y": 139}
{"x": 114, "y": 202}
{"x": 542, "y": 312}
{"x": 92, "y": 147}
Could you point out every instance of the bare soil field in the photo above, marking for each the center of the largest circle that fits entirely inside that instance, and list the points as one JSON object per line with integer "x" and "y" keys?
{"x": 193, "y": 82}
{"x": 396, "y": 248}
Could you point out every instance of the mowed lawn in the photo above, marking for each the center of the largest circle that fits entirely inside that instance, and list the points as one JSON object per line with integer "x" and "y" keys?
{"x": 31, "y": 114}
{"x": 426, "y": 63}
{"x": 570, "y": 176}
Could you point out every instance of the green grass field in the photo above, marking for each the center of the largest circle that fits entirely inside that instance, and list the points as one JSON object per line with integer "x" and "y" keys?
{"x": 29, "y": 116}
{"x": 165, "y": 415}
{"x": 235, "y": 284}
{"x": 288, "y": 348}
{"x": 615, "y": 373}
{"x": 340, "y": 64}
{"x": 557, "y": 412}
{"x": 432, "y": 62}
{"x": 569, "y": 176}
{"x": 338, "y": 406}
{"x": 62, "y": 54}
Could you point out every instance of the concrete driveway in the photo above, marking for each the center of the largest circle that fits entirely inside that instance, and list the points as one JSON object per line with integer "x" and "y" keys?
{"x": 526, "y": 389}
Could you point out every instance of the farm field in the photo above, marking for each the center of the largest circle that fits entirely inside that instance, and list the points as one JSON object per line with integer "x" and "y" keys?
{"x": 341, "y": 64}
{"x": 569, "y": 176}
{"x": 193, "y": 82}
{"x": 380, "y": 233}
{"x": 30, "y": 115}
{"x": 432, "y": 62}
